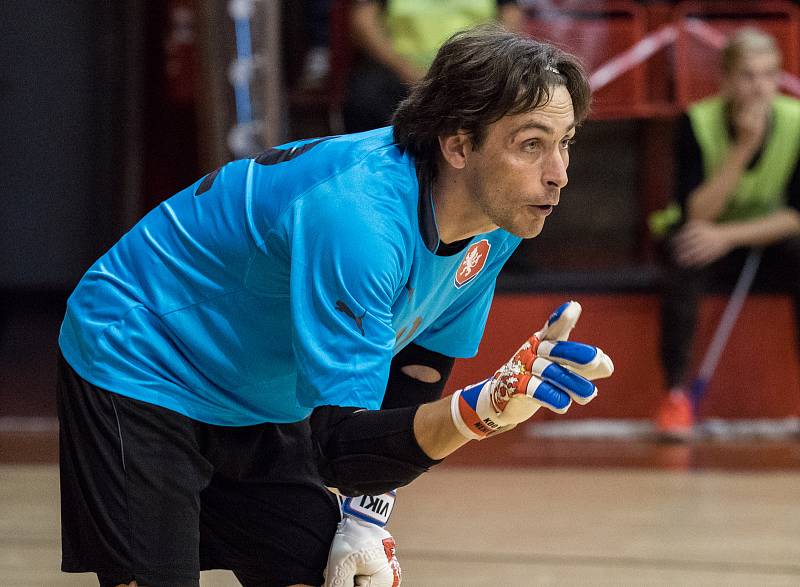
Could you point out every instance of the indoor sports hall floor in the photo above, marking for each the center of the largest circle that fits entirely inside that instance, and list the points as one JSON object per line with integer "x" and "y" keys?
{"x": 553, "y": 512}
{"x": 528, "y": 508}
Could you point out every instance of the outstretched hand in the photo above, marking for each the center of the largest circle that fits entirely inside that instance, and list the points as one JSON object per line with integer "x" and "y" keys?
{"x": 547, "y": 370}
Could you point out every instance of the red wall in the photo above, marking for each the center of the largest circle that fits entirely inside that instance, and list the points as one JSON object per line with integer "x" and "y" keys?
{"x": 758, "y": 376}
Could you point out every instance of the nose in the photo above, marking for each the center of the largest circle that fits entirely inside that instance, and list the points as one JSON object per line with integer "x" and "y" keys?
{"x": 554, "y": 170}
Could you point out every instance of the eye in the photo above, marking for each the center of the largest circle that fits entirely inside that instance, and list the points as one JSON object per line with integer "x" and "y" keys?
{"x": 532, "y": 145}
{"x": 565, "y": 143}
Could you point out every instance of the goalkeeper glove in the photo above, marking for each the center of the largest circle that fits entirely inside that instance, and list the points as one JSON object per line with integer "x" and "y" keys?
{"x": 546, "y": 371}
{"x": 362, "y": 552}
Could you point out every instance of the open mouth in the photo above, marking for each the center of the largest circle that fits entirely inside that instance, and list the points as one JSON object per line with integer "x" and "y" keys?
{"x": 545, "y": 209}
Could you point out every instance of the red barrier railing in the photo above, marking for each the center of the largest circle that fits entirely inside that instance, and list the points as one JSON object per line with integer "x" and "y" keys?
{"x": 695, "y": 34}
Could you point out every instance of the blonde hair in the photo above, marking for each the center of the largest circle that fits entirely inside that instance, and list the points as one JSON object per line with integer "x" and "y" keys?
{"x": 745, "y": 42}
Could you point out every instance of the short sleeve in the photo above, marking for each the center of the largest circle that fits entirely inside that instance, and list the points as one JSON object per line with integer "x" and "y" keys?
{"x": 345, "y": 267}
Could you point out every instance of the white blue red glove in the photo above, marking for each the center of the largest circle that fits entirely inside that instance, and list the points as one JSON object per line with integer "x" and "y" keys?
{"x": 546, "y": 371}
{"x": 362, "y": 552}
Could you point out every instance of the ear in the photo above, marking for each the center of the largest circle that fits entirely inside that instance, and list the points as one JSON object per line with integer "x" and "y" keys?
{"x": 455, "y": 148}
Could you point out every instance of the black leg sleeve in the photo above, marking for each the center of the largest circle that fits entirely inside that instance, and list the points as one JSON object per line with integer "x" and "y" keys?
{"x": 681, "y": 291}
{"x": 367, "y": 452}
{"x": 402, "y": 390}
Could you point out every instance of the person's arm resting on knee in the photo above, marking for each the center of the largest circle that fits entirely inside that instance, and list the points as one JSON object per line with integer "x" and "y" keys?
{"x": 362, "y": 547}
{"x": 370, "y": 452}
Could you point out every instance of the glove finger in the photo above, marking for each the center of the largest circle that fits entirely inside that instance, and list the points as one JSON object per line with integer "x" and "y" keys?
{"x": 580, "y": 389}
{"x": 383, "y": 577}
{"x": 586, "y": 360}
{"x": 340, "y": 573}
{"x": 561, "y": 322}
{"x": 375, "y": 569}
{"x": 518, "y": 409}
{"x": 548, "y": 395}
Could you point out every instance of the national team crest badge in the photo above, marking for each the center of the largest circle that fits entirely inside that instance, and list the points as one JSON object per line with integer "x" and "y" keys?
{"x": 474, "y": 260}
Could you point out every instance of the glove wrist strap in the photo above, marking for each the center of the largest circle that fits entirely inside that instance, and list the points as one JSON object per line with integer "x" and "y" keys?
{"x": 463, "y": 411}
{"x": 374, "y": 509}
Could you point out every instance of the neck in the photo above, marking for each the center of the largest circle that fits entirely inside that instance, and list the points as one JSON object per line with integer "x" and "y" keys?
{"x": 458, "y": 216}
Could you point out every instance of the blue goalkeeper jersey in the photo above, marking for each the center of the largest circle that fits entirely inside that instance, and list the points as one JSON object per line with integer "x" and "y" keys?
{"x": 281, "y": 283}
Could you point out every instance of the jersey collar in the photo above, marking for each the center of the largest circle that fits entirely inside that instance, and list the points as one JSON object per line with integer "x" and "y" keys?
{"x": 427, "y": 222}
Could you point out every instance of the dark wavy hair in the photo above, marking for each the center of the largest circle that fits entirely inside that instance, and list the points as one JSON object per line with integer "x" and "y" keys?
{"x": 479, "y": 76}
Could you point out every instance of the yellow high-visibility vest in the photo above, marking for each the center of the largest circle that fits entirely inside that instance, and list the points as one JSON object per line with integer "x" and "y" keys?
{"x": 762, "y": 189}
{"x": 419, "y": 27}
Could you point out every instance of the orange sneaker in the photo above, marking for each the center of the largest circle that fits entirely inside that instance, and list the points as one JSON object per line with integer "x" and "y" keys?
{"x": 674, "y": 419}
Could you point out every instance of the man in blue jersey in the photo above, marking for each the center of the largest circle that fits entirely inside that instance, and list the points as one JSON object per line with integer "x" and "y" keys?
{"x": 286, "y": 325}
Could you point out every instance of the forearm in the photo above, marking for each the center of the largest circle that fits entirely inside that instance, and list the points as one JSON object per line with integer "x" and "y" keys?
{"x": 763, "y": 231}
{"x": 511, "y": 17}
{"x": 370, "y": 36}
{"x": 435, "y": 431}
{"x": 708, "y": 201}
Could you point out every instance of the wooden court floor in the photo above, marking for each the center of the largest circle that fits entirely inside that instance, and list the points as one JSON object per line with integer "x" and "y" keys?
{"x": 615, "y": 513}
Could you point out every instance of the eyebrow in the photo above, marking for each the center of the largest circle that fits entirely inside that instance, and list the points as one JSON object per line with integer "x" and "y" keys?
{"x": 538, "y": 126}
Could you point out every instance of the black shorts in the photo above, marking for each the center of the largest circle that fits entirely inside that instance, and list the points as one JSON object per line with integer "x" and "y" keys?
{"x": 153, "y": 496}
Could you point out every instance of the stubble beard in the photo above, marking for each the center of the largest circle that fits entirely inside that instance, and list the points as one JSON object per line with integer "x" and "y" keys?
{"x": 504, "y": 216}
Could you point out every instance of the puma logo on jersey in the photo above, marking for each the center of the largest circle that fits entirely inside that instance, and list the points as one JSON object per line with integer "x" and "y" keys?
{"x": 404, "y": 334}
{"x": 359, "y": 320}
{"x": 473, "y": 262}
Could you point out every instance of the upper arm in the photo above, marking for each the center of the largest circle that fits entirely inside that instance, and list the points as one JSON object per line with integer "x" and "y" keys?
{"x": 365, "y": 21}
{"x": 345, "y": 269}
{"x": 404, "y": 388}
{"x": 511, "y": 15}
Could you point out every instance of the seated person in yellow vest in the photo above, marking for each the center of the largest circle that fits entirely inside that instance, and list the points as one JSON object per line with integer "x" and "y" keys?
{"x": 396, "y": 42}
{"x": 737, "y": 187}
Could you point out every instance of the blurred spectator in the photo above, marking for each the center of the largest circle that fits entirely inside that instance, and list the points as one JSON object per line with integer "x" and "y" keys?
{"x": 397, "y": 40}
{"x": 738, "y": 186}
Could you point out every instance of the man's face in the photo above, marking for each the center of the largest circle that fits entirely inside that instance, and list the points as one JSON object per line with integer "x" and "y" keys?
{"x": 754, "y": 78}
{"x": 516, "y": 175}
